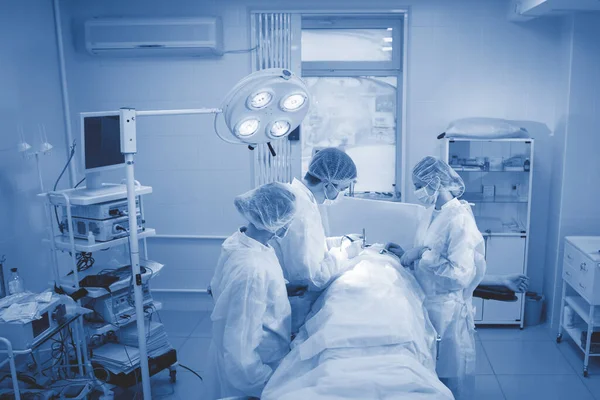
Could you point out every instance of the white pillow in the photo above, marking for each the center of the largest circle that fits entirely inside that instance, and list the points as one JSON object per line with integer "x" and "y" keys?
{"x": 483, "y": 128}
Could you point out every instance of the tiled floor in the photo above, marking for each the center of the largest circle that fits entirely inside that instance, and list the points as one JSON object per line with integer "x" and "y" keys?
{"x": 512, "y": 364}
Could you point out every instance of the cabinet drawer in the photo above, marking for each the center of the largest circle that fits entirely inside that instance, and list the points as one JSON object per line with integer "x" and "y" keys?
{"x": 570, "y": 275}
{"x": 579, "y": 262}
{"x": 583, "y": 268}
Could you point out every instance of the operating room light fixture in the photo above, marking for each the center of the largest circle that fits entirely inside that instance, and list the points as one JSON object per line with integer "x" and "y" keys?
{"x": 260, "y": 100}
{"x": 265, "y": 106}
{"x": 279, "y": 129}
{"x": 293, "y": 102}
{"x": 247, "y": 127}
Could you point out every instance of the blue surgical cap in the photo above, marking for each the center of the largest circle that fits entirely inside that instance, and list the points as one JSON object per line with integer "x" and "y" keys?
{"x": 430, "y": 169}
{"x": 268, "y": 207}
{"x": 332, "y": 165}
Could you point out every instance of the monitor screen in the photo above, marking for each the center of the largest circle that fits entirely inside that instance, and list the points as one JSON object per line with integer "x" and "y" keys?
{"x": 102, "y": 138}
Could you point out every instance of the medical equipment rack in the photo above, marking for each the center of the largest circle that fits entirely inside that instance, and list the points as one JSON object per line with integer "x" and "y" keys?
{"x": 581, "y": 281}
{"x": 59, "y": 242}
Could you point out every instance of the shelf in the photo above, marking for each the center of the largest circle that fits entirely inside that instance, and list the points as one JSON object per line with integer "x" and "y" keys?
{"x": 478, "y": 198}
{"x": 133, "y": 318}
{"x": 581, "y": 307}
{"x": 103, "y": 327}
{"x": 94, "y": 292}
{"x": 83, "y": 197}
{"x": 450, "y": 139}
{"x": 482, "y": 171}
{"x": 575, "y": 334}
{"x": 63, "y": 242}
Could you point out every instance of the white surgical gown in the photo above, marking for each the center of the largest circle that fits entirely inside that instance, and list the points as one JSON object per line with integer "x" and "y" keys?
{"x": 304, "y": 253}
{"x": 449, "y": 273}
{"x": 251, "y": 319}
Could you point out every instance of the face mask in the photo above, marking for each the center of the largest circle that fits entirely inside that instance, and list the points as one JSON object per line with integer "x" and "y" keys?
{"x": 425, "y": 198}
{"x": 329, "y": 201}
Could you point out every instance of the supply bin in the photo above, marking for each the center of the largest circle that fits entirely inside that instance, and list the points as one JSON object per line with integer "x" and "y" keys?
{"x": 534, "y": 303}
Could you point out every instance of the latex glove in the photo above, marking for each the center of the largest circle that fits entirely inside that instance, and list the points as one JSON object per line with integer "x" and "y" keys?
{"x": 518, "y": 283}
{"x": 296, "y": 290}
{"x": 353, "y": 249}
{"x": 395, "y": 249}
{"x": 412, "y": 255}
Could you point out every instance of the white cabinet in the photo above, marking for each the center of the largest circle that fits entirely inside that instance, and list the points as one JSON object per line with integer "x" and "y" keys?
{"x": 498, "y": 179}
{"x": 581, "y": 294}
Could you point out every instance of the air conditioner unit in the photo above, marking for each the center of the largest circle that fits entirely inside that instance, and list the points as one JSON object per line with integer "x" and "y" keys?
{"x": 154, "y": 37}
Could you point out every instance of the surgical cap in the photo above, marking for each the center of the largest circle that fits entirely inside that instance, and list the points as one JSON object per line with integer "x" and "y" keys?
{"x": 268, "y": 207}
{"x": 333, "y": 166}
{"x": 430, "y": 168}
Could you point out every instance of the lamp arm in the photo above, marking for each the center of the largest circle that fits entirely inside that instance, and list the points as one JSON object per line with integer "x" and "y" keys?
{"x": 180, "y": 112}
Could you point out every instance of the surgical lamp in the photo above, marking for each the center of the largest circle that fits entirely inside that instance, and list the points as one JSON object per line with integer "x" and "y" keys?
{"x": 267, "y": 105}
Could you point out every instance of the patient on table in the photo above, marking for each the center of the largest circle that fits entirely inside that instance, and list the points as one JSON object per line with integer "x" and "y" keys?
{"x": 367, "y": 337}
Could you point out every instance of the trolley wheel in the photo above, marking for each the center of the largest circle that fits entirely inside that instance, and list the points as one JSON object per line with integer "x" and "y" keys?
{"x": 173, "y": 376}
{"x": 585, "y": 372}
{"x": 559, "y": 338}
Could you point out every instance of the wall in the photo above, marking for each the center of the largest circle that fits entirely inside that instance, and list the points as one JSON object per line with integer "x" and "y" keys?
{"x": 194, "y": 174}
{"x": 577, "y": 188}
{"x": 465, "y": 59}
{"x": 29, "y": 95}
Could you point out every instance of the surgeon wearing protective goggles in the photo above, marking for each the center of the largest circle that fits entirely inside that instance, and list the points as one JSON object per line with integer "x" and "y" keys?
{"x": 449, "y": 263}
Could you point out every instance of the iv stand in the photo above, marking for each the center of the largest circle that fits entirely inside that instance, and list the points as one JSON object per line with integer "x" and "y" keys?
{"x": 129, "y": 149}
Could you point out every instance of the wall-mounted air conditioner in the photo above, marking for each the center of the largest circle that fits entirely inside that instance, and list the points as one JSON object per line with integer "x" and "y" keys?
{"x": 154, "y": 37}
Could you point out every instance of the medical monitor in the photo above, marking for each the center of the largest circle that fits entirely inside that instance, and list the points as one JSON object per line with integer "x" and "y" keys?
{"x": 100, "y": 144}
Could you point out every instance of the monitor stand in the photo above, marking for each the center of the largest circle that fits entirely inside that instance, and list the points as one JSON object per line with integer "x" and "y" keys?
{"x": 94, "y": 187}
{"x": 92, "y": 181}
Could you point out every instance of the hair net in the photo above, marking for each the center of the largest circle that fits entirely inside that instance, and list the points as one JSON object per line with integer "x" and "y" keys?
{"x": 269, "y": 207}
{"x": 430, "y": 168}
{"x": 333, "y": 166}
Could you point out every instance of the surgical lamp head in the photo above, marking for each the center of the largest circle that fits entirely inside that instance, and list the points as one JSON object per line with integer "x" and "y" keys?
{"x": 265, "y": 106}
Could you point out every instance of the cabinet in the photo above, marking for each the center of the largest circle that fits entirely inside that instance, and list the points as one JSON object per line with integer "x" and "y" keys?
{"x": 581, "y": 295}
{"x": 498, "y": 178}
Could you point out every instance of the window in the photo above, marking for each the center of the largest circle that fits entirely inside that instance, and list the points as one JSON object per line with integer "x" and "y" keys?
{"x": 352, "y": 68}
{"x": 347, "y": 45}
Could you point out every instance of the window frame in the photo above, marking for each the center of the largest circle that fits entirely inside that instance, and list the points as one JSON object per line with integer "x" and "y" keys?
{"x": 395, "y": 68}
{"x": 374, "y": 68}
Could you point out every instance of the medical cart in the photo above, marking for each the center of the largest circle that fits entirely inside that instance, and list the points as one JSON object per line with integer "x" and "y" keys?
{"x": 67, "y": 242}
{"x": 581, "y": 295}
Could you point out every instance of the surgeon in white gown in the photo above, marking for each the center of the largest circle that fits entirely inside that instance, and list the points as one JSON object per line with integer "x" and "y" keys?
{"x": 251, "y": 316}
{"x": 449, "y": 263}
{"x": 310, "y": 261}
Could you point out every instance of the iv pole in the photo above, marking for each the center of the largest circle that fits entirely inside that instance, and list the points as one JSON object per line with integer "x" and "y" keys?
{"x": 129, "y": 149}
